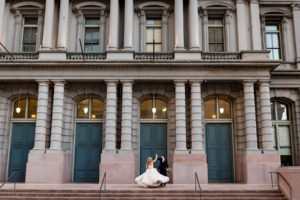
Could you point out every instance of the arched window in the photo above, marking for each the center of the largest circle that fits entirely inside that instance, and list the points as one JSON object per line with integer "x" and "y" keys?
{"x": 153, "y": 109}
{"x": 25, "y": 108}
{"x": 217, "y": 108}
{"x": 90, "y": 109}
{"x": 282, "y": 131}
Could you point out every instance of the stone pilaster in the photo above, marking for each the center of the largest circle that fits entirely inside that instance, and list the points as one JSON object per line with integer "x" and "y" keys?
{"x": 180, "y": 116}
{"x": 128, "y": 25}
{"x": 296, "y": 20}
{"x": 41, "y": 117}
{"x": 241, "y": 24}
{"x": 265, "y": 115}
{"x": 250, "y": 117}
{"x": 285, "y": 29}
{"x": 196, "y": 117}
{"x": 18, "y": 30}
{"x": 205, "y": 31}
{"x": 111, "y": 116}
{"x": 255, "y": 25}
{"x": 126, "y": 131}
{"x": 48, "y": 25}
{"x": 194, "y": 42}
{"x": 179, "y": 26}
{"x": 142, "y": 17}
{"x": 2, "y": 9}
{"x": 63, "y": 24}
{"x": 57, "y": 115}
{"x": 113, "y": 25}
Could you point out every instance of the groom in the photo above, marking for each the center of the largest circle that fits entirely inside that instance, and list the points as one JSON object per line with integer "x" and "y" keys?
{"x": 162, "y": 168}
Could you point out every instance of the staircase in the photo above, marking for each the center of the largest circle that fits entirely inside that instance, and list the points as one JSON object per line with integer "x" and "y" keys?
{"x": 140, "y": 194}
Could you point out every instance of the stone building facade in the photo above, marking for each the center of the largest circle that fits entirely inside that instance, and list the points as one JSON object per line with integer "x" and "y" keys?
{"x": 88, "y": 87}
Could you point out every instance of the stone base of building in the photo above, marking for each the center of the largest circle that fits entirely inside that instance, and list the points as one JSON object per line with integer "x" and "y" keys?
{"x": 3, "y": 166}
{"x": 292, "y": 175}
{"x": 49, "y": 167}
{"x": 255, "y": 168}
{"x": 185, "y": 166}
{"x": 119, "y": 168}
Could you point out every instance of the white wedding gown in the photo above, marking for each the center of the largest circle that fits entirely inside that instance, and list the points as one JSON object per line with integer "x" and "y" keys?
{"x": 151, "y": 178}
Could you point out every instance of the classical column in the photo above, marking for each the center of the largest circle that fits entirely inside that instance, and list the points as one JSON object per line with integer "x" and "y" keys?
{"x": 17, "y": 31}
{"x": 227, "y": 30}
{"x": 241, "y": 24}
{"x": 255, "y": 25}
{"x": 205, "y": 31}
{"x": 265, "y": 115}
{"x": 111, "y": 116}
{"x": 196, "y": 116}
{"x": 80, "y": 27}
{"x": 296, "y": 20}
{"x": 194, "y": 25}
{"x": 113, "y": 25}
{"x": 48, "y": 25}
{"x": 102, "y": 30}
{"x": 2, "y": 9}
{"x": 250, "y": 117}
{"x": 63, "y": 24}
{"x": 180, "y": 116}
{"x": 128, "y": 24}
{"x": 165, "y": 33}
{"x": 57, "y": 115}
{"x": 41, "y": 117}
{"x": 179, "y": 29}
{"x": 126, "y": 130}
{"x": 142, "y": 17}
{"x": 285, "y": 56}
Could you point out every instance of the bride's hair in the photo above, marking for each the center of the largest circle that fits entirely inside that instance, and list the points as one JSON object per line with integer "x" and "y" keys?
{"x": 149, "y": 161}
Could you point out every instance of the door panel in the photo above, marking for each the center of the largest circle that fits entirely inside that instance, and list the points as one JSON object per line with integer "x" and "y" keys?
{"x": 88, "y": 147}
{"x": 219, "y": 152}
{"x": 153, "y": 139}
{"x": 22, "y": 141}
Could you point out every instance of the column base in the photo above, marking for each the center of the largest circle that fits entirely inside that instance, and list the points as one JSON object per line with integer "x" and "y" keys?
{"x": 255, "y": 168}
{"x": 50, "y": 167}
{"x": 3, "y": 166}
{"x": 185, "y": 166}
{"x": 119, "y": 168}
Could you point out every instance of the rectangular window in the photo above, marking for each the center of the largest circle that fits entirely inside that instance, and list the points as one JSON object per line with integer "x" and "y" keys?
{"x": 91, "y": 36}
{"x": 273, "y": 41}
{"x": 216, "y": 34}
{"x": 30, "y": 26}
{"x": 154, "y": 36}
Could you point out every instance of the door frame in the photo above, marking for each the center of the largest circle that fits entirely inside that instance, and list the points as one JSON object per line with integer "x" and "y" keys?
{"x": 151, "y": 121}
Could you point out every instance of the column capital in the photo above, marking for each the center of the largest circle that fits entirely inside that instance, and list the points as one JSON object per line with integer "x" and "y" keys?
{"x": 127, "y": 81}
{"x": 41, "y": 81}
{"x": 179, "y": 81}
{"x": 249, "y": 81}
{"x": 240, "y": 1}
{"x": 263, "y": 82}
{"x": 57, "y": 81}
{"x": 254, "y": 1}
{"x": 295, "y": 6}
{"x": 196, "y": 81}
{"x": 111, "y": 81}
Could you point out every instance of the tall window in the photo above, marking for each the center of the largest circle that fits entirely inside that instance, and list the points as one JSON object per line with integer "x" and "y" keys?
{"x": 273, "y": 41}
{"x": 216, "y": 34}
{"x": 30, "y": 27}
{"x": 154, "y": 37}
{"x": 91, "y": 35}
{"x": 282, "y": 129}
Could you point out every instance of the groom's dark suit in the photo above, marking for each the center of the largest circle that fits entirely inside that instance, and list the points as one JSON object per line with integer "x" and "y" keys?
{"x": 163, "y": 165}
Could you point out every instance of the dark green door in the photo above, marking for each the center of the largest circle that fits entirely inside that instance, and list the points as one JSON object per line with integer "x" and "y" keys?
{"x": 153, "y": 140}
{"x": 88, "y": 147}
{"x": 219, "y": 152}
{"x": 22, "y": 141}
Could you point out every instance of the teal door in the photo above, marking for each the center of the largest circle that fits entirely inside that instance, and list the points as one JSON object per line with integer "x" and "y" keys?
{"x": 153, "y": 139}
{"x": 88, "y": 147}
{"x": 22, "y": 141}
{"x": 219, "y": 152}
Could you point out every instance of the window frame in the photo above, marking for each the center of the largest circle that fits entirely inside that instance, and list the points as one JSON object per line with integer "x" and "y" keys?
{"x": 215, "y": 26}
{"x": 29, "y": 26}
{"x": 279, "y": 32}
{"x": 25, "y": 118}
{"x": 153, "y": 27}
{"x": 91, "y": 26}
{"x": 276, "y": 123}
{"x": 89, "y": 119}
{"x": 217, "y": 106}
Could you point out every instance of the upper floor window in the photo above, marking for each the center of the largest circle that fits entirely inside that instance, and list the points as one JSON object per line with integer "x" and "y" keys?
{"x": 154, "y": 37}
{"x": 282, "y": 131}
{"x": 91, "y": 35}
{"x": 273, "y": 40}
{"x": 30, "y": 28}
{"x": 216, "y": 34}
{"x": 25, "y": 108}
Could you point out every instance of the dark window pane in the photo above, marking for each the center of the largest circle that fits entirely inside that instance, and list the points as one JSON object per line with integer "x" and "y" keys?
{"x": 273, "y": 110}
{"x": 215, "y": 21}
{"x": 29, "y": 48}
{"x": 211, "y": 35}
{"x": 219, "y": 35}
{"x": 92, "y": 21}
{"x": 31, "y": 21}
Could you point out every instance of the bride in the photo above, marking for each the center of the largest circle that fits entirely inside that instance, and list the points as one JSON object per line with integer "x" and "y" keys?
{"x": 151, "y": 177}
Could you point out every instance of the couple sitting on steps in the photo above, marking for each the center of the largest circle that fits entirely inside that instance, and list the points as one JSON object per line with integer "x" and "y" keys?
{"x": 152, "y": 177}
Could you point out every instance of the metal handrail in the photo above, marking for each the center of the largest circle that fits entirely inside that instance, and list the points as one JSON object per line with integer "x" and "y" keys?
{"x": 198, "y": 183}
{"x": 280, "y": 176}
{"x": 9, "y": 178}
{"x": 103, "y": 181}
